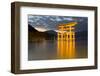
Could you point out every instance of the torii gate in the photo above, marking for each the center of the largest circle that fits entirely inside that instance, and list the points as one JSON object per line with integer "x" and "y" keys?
{"x": 66, "y": 40}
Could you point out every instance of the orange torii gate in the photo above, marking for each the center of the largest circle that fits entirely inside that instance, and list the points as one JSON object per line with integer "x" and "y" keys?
{"x": 66, "y": 40}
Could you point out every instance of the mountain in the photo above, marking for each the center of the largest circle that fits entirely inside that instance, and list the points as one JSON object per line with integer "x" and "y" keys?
{"x": 51, "y": 35}
{"x": 51, "y": 32}
{"x": 52, "y": 22}
{"x": 31, "y": 29}
{"x": 35, "y": 35}
{"x": 81, "y": 26}
{"x": 83, "y": 35}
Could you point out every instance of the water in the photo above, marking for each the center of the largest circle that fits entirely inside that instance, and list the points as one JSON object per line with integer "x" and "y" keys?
{"x": 50, "y": 49}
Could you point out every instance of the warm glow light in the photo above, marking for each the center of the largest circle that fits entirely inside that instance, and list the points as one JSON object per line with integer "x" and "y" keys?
{"x": 40, "y": 29}
{"x": 66, "y": 41}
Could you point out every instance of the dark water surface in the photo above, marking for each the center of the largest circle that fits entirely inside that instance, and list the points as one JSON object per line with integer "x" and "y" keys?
{"x": 50, "y": 49}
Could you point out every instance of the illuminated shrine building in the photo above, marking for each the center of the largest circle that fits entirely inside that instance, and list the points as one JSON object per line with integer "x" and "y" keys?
{"x": 66, "y": 40}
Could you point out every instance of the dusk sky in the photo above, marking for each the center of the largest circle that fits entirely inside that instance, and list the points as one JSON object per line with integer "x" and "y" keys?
{"x": 47, "y": 22}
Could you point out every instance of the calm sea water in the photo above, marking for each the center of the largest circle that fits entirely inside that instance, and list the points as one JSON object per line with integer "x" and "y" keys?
{"x": 50, "y": 49}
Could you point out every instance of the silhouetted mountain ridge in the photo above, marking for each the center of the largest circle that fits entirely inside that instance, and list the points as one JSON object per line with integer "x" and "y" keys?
{"x": 51, "y": 34}
{"x": 33, "y": 34}
{"x": 83, "y": 35}
{"x": 31, "y": 29}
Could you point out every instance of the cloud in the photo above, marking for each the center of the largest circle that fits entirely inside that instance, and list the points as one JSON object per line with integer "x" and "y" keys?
{"x": 68, "y": 19}
{"x": 51, "y": 22}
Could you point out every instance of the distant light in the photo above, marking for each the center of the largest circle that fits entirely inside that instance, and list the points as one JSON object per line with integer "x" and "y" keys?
{"x": 40, "y": 29}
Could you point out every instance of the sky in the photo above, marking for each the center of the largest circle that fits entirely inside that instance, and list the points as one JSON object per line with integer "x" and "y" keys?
{"x": 49, "y": 22}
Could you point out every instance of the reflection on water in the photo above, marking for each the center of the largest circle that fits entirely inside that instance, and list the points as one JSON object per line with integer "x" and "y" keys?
{"x": 66, "y": 49}
{"x": 66, "y": 46}
{"x": 49, "y": 49}
{"x": 66, "y": 40}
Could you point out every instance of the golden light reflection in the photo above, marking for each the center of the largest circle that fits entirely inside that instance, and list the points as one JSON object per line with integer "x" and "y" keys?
{"x": 66, "y": 40}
